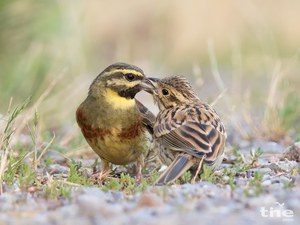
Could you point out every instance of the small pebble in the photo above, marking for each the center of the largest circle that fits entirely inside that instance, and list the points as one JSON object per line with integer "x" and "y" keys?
{"x": 292, "y": 153}
{"x": 266, "y": 183}
{"x": 56, "y": 168}
{"x": 149, "y": 200}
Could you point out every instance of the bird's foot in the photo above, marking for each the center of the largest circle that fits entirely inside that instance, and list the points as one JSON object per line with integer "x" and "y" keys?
{"x": 100, "y": 177}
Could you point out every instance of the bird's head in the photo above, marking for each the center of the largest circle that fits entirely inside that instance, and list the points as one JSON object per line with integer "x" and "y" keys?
{"x": 118, "y": 79}
{"x": 170, "y": 91}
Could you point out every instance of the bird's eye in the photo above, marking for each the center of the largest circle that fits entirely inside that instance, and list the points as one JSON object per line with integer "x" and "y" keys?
{"x": 165, "y": 92}
{"x": 129, "y": 76}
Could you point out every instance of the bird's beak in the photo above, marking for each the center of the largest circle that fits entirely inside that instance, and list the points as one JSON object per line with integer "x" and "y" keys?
{"x": 150, "y": 85}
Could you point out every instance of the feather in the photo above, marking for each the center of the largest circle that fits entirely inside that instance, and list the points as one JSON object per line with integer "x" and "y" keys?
{"x": 181, "y": 164}
{"x": 183, "y": 129}
{"x": 148, "y": 117}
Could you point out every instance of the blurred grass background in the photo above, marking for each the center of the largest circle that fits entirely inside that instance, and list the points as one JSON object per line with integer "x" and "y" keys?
{"x": 247, "y": 51}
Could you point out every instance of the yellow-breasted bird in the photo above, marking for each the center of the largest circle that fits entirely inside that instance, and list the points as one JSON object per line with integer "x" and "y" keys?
{"x": 115, "y": 125}
{"x": 188, "y": 130}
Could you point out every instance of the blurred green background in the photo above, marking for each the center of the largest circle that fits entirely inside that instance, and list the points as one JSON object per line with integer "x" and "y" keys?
{"x": 245, "y": 51}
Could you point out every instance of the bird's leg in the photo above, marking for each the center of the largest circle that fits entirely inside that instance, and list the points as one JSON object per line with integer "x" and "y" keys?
{"x": 138, "y": 174}
{"x": 105, "y": 170}
{"x": 198, "y": 169}
{"x": 105, "y": 166}
{"x": 138, "y": 169}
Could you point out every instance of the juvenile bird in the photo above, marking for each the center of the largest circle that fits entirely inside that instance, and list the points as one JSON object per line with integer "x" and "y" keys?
{"x": 115, "y": 125}
{"x": 188, "y": 130}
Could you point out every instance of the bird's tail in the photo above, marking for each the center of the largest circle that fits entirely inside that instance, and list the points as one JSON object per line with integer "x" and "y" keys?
{"x": 181, "y": 164}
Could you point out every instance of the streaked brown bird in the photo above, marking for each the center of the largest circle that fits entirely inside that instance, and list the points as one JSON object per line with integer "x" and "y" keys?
{"x": 188, "y": 130}
{"x": 115, "y": 125}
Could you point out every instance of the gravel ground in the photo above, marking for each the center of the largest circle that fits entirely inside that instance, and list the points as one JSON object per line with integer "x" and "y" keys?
{"x": 199, "y": 203}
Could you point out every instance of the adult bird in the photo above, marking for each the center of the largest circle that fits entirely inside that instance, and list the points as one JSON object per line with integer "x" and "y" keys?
{"x": 116, "y": 125}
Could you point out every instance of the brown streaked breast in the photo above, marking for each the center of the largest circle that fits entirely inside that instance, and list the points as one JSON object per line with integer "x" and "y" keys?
{"x": 88, "y": 131}
{"x": 132, "y": 131}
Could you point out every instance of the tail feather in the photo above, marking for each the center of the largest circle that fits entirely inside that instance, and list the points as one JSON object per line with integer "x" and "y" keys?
{"x": 181, "y": 164}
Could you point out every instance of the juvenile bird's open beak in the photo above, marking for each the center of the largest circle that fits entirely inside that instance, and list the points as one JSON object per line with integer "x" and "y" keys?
{"x": 150, "y": 85}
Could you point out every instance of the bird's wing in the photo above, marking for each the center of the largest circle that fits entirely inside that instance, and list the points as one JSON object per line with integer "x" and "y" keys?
{"x": 181, "y": 164}
{"x": 195, "y": 130}
{"x": 148, "y": 117}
